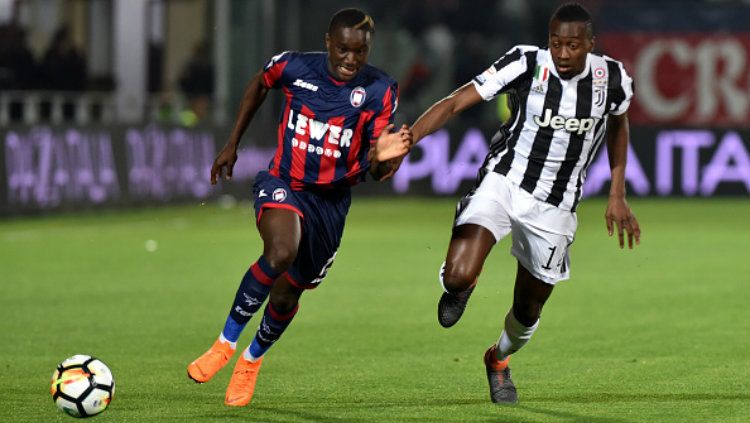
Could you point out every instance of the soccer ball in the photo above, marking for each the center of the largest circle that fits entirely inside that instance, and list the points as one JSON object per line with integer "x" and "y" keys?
{"x": 82, "y": 386}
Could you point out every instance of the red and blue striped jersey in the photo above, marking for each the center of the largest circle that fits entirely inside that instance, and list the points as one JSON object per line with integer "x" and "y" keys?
{"x": 326, "y": 126}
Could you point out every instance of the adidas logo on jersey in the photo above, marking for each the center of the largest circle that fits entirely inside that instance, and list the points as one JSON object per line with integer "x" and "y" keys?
{"x": 306, "y": 85}
{"x": 576, "y": 125}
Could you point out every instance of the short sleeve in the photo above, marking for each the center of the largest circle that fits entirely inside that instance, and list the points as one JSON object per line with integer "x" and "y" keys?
{"x": 273, "y": 71}
{"x": 503, "y": 72}
{"x": 387, "y": 111}
{"x": 620, "y": 88}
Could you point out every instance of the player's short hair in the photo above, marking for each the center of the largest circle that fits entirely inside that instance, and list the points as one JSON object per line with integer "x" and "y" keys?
{"x": 351, "y": 18}
{"x": 573, "y": 12}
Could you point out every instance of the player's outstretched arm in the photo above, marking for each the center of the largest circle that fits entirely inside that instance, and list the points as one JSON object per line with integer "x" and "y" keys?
{"x": 255, "y": 94}
{"x": 442, "y": 111}
{"x": 430, "y": 121}
{"x": 618, "y": 214}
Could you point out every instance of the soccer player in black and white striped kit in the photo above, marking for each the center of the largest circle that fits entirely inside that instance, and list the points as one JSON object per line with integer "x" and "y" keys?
{"x": 566, "y": 102}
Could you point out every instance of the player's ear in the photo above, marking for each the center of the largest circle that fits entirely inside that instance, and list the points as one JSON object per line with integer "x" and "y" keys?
{"x": 328, "y": 41}
{"x": 592, "y": 43}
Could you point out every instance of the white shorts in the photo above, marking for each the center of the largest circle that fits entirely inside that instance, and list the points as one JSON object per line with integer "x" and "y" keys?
{"x": 541, "y": 232}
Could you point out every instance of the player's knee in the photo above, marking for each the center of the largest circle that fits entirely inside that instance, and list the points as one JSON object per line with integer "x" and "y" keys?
{"x": 280, "y": 258}
{"x": 458, "y": 278}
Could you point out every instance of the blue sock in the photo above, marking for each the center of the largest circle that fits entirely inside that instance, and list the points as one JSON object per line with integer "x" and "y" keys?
{"x": 270, "y": 330}
{"x": 253, "y": 291}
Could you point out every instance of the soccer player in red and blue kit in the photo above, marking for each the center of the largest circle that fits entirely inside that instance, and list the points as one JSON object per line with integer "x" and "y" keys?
{"x": 335, "y": 126}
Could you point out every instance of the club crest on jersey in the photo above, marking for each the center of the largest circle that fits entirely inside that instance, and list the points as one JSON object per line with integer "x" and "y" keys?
{"x": 599, "y": 95}
{"x": 357, "y": 97}
{"x": 600, "y": 83}
{"x": 279, "y": 194}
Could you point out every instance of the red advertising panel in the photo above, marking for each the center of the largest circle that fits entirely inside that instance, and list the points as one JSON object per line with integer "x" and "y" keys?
{"x": 690, "y": 79}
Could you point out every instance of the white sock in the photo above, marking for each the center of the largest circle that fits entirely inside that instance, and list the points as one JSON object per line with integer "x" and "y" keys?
{"x": 224, "y": 340}
{"x": 440, "y": 278}
{"x": 249, "y": 357}
{"x": 514, "y": 336}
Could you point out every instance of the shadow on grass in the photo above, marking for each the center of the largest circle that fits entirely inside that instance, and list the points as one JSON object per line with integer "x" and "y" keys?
{"x": 640, "y": 397}
{"x": 402, "y": 411}
{"x": 331, "y": 409}
{"x": 573, "y": 417}
{"x": 416, "y": 410}
{"x": 603, "y": 398}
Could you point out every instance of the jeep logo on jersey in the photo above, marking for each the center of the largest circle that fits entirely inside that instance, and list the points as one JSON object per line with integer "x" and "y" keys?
{"x": 357, "y": 97}
{"x": 576, "y": 125}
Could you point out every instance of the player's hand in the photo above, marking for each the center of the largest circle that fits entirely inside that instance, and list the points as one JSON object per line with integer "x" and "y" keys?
{"x": 619, "y": 214}
{"x": 391, "y": 145}
{"x": 224, "y": 163}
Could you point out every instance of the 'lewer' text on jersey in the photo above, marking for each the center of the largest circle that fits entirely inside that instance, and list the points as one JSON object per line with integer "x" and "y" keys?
{"x": 326, "y": 126}
{"x": 556, "y": 125}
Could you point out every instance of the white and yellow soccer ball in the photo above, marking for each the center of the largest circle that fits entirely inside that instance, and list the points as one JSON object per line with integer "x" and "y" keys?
{"x": 82, "y": 386}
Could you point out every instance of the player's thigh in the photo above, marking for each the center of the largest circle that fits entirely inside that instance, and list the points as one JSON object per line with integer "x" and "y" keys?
{"x": 468, "y": 249}
{"x": 487, "y": 206}
{"x": 322, "y": 231}
{"x": 481, "y": 221}
{"x": 278, "y": 216}
{"x": 280, "y": 227}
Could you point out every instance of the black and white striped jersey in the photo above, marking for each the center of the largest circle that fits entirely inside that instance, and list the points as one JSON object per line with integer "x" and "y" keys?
{"x": 556, "y": 125}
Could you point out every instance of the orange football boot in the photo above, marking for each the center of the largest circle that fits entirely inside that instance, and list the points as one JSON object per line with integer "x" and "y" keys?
{"x": 207, "y": 365}
{"x": 242, "y": 384}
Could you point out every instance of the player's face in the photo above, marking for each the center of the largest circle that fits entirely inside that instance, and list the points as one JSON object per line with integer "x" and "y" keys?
{"x": 348, "y": 49}
{"x": 569, "y": 43}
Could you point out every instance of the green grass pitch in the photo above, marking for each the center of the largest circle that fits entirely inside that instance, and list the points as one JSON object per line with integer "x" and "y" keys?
{"x": 658, "y": 334}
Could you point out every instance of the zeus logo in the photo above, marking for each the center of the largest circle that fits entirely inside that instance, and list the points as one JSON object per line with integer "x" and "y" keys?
{"x": 306, "y": 85}
{"x": 576, "y": 125}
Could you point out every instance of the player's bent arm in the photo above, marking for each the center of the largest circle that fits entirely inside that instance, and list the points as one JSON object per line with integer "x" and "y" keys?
{"x": 442, "y": 111}
{"x": 252, "y": 99}
{"x": 618, "y": 133}
{"x": 618, "y": 214}
{"x": 255, "y": 94}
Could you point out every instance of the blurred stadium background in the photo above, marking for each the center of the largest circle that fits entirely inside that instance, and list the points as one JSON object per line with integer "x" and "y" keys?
{"x": 124, "y": 102}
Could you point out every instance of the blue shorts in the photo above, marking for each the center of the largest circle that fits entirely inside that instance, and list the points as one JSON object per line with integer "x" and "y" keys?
{"x": 323, "y": 214}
